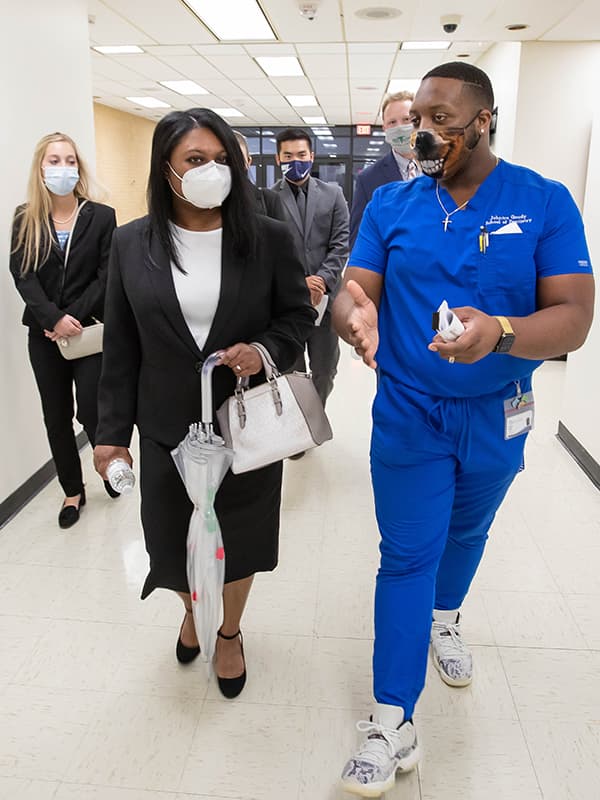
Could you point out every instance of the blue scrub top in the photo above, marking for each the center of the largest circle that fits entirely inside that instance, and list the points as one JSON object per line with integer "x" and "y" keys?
{"x": 535, "y": 231}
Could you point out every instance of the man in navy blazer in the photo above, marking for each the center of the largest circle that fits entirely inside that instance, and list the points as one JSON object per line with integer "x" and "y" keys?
{"x": 397, "y": 165}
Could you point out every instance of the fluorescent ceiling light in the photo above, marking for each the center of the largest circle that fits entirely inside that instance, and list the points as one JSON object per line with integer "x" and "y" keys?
{"x": 227, "y": 112}
{"x": 234, "y": 20}
{"x": 280, "y": 66}
{"x": 117, "y": 49}
{"x": 301, "y": 100}
{"x": 329, "y": 145}
{"x": 267, "y": 133}
{"x": 315, "y": 120}
{"x": 372, "y": 149}
{"x": 148, "y": 102}
{"x": 425, "y": 45}
{"x": 403, "y": 85}
{"x": 184, "y": 87}
{"x": 378, "y": 133}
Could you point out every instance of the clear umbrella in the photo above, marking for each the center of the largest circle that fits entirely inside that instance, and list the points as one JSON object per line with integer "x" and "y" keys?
{"x": 202, "y": 460}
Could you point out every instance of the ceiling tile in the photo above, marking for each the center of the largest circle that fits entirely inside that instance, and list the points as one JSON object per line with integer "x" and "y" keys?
{"x": 331, "y": 66}
{"x": 292, "y": 85}
{"x": 372, "y": 64}
{"x": 237, "y": 66}
{"x": 271, "y": 49}
{"x": 220, "y": 49}
{"x": 149, "y": 66}
{"x": 290, "y": 26}
{"x": 161, "y": 50}
{"x": 194, "y": 67}
{"x": 166, "y": 23}
{"x": 111, "y": 28}
{"x": 322, "y": 48}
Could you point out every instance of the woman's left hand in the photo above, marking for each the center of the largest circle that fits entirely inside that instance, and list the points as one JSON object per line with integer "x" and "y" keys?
{"x": 242, "y": 359}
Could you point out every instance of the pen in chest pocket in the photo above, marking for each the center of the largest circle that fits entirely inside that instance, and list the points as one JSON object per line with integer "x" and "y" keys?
{"x": 484, "y": 239}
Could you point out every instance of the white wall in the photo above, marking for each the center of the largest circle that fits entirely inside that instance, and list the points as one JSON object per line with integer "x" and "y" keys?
{"x": 45, "y": 86}
{"x": 582, "y": 384}
{"x": 558, "y": 97}
{"x": 502, "y": 63}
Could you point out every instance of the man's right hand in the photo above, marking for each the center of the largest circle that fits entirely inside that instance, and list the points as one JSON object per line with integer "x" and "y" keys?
{"x": 362, "y": 324}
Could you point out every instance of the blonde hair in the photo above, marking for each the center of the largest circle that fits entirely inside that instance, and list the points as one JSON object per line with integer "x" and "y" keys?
{"x": 34, "y": 233}
{"x": 394, "y": 98}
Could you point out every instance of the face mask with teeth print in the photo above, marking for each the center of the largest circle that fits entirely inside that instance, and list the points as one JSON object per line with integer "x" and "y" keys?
{"x": 439, "y": 151}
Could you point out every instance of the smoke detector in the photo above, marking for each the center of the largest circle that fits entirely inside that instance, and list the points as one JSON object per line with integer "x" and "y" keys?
{"x": 309, "y": 9}
{"x": 378, "y": 13}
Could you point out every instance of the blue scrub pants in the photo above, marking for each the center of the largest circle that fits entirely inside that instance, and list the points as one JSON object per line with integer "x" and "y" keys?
{"x": 440, "y": 469}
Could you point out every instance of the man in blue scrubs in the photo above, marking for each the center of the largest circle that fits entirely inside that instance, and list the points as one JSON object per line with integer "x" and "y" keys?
{"x": 506, "y": 248}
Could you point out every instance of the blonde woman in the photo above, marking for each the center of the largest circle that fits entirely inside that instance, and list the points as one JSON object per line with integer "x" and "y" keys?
{"x": 62, "y": 295}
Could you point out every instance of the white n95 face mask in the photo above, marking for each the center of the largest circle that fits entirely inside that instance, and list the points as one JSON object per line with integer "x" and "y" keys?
{"x": 205, "y": 186}
{"x": 61, "y": 180}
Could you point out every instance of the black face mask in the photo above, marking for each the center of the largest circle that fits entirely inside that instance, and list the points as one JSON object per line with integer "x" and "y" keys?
{"x": 439, "y": 151}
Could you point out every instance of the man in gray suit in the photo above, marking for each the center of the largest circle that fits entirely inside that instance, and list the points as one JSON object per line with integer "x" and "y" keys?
{"x": 320, "y": 226}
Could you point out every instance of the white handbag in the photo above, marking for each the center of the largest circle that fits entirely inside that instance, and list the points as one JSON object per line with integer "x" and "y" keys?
{"x": 274, "y": 420}
{"x": 86, "y": 343}
{"x": 89, "y": 341}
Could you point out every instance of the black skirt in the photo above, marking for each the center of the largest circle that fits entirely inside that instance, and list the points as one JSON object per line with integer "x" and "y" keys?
{"x": 247, "y": 508}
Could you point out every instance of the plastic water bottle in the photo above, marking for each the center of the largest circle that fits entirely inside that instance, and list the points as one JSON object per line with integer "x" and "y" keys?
{"x": 120, "y": 476}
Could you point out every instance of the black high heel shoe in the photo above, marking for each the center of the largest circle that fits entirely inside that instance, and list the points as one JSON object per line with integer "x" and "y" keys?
{"x": 185, "y": 654}
{"x": 232, "y": 687}
{"x": 69, "y": 515}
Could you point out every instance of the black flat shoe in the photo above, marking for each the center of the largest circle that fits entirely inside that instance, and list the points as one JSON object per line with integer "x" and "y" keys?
{"x": 185, "y": 655}
{"x": 110, "y": 491}
{"x": 232, "y": 687}
{"x": 69, "y": 515}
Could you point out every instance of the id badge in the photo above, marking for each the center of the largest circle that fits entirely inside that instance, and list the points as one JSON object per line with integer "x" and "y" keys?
{"x": 519, "y": 412}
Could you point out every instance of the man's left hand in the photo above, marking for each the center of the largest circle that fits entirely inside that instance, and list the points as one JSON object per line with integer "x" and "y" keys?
{"x": 480, "y": 337}
{"x": 316, "y": 286}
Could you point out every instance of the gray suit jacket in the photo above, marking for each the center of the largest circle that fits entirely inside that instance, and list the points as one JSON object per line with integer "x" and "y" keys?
{"x": 322, "y": 243}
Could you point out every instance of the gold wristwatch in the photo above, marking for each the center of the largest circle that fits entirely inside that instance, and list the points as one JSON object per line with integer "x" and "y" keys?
{"x": 507, "y": 337}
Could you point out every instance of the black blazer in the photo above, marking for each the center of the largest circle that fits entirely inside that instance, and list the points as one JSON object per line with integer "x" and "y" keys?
{"x": 268, "y": 203}
{"x": 82, "y": 295}
{"x": 151, "y": 362}
{"x": 385, "y": 170}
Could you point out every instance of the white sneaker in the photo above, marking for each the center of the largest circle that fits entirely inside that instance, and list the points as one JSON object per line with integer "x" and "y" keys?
{"x": 391, "y": 746}
{"x": 450, "y": 654}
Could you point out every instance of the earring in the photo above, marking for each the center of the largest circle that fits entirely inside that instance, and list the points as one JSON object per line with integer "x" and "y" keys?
{"x": 482, "y": 130}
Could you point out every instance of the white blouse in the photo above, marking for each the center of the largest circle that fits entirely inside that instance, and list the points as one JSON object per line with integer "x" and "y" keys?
{"x": 198, "y": 289}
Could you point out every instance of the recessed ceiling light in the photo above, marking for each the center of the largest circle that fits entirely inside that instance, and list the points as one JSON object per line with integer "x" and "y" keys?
{"x": 378, "y": 13}
{"x": 148, "y": 102}
{"x": 315, "y": 120}
{"x": 425, "y": 45}
{"x": 403, "y": 85}
{"x": 516, "y": 27}
{"x": 227, "y": 112}
{"x": 117, "y": 49}
{"x": 280, "y": 66}
{"x": 184, "y": 87}
{"x": 235, "y": 20}
{"x": 300, "y": 100}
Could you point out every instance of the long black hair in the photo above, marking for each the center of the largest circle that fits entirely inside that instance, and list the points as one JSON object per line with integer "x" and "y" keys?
{"x": 238, "y": 209}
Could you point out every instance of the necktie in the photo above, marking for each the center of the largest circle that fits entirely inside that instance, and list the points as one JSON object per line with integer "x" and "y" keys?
{"x": 301, "y": 200}
{"x": 411, "y": 170}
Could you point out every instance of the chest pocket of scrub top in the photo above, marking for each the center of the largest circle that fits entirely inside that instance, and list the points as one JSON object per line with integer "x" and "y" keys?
{"x": 508, "y": 264}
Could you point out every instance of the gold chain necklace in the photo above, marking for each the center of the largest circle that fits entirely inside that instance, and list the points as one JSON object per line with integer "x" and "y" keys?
{"x": 68, "y": 219}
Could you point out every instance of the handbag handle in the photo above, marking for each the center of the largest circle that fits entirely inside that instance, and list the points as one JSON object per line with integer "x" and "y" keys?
{"x": 269, "y": 366}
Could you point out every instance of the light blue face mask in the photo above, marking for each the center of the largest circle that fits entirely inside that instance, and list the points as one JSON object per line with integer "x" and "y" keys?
{"x": 61, "y": 180}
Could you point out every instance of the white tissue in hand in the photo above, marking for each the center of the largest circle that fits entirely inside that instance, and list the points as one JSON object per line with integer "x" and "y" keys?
{"x": 450, "y": 327}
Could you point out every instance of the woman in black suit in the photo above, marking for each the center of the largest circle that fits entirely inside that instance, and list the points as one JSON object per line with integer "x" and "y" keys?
{"x": 202, "y": 272}
{"x": 62, "y": 295}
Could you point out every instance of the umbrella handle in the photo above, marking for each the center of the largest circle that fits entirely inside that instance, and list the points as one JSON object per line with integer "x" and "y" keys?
{"x": 211, "y": 362}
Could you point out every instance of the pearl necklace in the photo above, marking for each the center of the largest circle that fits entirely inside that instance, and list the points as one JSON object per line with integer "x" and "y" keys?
{"x": 68, "y": 219}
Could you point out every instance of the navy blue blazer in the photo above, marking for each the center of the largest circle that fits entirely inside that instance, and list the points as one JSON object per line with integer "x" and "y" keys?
{"x": 383, "y": 171}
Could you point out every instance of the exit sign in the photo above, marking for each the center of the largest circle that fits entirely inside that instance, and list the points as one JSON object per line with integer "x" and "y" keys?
{"x": 363, "y": 130}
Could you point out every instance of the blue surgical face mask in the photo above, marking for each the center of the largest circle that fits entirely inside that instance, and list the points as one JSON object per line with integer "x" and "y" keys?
{"x": 296, "y": 171}
{"x": 61, "y": 180}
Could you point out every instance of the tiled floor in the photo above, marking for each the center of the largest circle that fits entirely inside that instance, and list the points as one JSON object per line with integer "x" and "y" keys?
{"x": 93, "y": 705}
